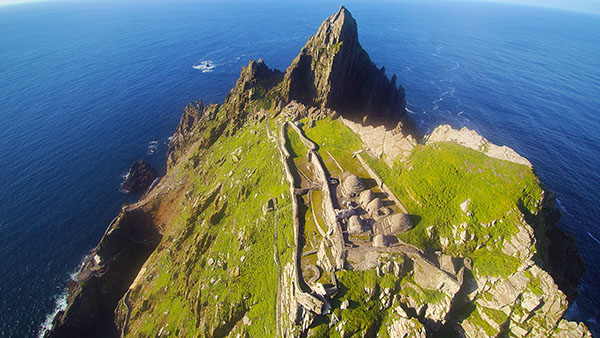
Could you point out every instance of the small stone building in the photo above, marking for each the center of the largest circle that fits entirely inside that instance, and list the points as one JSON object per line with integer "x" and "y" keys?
{"x": 352, "y": 186}
{"x": 365, "y": 197}
{"x": 395, "y": 224}
{"x": 374, "y": 206}
{"x": 355, "y": 225}
{"x": 380, "y": 241}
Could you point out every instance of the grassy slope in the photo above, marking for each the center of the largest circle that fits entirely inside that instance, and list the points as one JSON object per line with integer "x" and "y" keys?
{"x": 188, "y": 297}
{"x": 433, "y": 183}
{"x": 197, "y": 299}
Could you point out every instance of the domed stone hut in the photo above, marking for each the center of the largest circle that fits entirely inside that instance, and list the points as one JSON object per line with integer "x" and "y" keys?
{"x": 396, "y": 224}
{"x": 373, "y": 206}
{"x": 352, "y": 186}
{"x": 355, "y": 224}
{"x": 380, "y": 241}
{"x": 365, "y": 197}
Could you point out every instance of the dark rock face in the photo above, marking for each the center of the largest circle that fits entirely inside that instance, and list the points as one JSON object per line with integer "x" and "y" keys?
{"x": 334, "y": 71}
{"x": 105, "y": 277}
{"x": 567, "y": 266}
{"x": 139, "y": 178}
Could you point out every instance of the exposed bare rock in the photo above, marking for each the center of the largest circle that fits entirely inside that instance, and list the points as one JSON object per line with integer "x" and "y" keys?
{"x": 334, "y": 71}
{"x": 383, "y": 143}
{"x": 471, "y": 139}
{"x": 405, "y": 327}
{"x": 139, "y": 178}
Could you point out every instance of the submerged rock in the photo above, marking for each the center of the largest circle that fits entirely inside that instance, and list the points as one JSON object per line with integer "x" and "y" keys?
{"x": 139, "y": 178}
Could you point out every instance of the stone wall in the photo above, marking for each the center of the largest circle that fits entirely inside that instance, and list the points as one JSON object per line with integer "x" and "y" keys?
{"x": 380, "y": 183}
{"x": 305, "y": 299}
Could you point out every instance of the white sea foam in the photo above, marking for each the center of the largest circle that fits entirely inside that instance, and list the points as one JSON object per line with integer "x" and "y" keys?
{"x": 152, "y": 147}
{"x": 59, "y": 305}
{"x": 206, "y": 66}
{"x": 460, "y": 113}
{"x": 561, "y": 206}
{"x": 593, "y": 237}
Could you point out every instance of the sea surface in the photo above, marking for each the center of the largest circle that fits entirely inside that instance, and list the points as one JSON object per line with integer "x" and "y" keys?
{"x": 88, "y": 87}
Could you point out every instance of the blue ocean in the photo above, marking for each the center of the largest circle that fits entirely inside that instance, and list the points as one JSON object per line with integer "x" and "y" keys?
{"x": 88, "y": 87}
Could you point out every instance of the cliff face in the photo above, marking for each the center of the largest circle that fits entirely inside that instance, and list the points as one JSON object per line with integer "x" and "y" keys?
{"x": 282, "y": 215}
{"x": 334, "y": 71}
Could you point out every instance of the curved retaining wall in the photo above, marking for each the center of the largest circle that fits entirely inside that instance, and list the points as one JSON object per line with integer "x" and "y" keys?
{"x": 380, "y": 183}
{"x": 334, "y": 230}
{"x": 305, "y": 299}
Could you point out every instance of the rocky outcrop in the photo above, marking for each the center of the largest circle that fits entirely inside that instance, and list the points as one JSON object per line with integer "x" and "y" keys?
{"x": 255, "y": 81}
{"x": 471, "y": 139}
{"x": 139, "y": 178}
{"x": 383, "y": 143}
{"x": 106, "y": 275}
{"x": 334, "y": 71}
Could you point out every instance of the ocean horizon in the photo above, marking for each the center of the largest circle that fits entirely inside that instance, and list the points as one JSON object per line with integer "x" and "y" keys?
{"x": 86, "y": 88}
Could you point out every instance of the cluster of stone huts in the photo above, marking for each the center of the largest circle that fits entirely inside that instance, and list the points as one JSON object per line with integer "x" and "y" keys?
{"x": 365, "y": 213}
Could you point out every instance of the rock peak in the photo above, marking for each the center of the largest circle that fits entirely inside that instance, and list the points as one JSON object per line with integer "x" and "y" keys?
{"x": 334, "y": 71}
{"x": 339, "y": 27}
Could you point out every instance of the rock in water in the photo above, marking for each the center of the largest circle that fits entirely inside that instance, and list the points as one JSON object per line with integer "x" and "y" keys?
{"x": 139, "y": 178}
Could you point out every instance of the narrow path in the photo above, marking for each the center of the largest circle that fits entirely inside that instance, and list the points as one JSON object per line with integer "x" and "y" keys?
{"x": 128, "y": 306}
{"x": 276, "y": 259}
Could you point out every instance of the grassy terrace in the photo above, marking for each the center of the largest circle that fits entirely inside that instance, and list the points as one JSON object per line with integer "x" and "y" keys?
{"x": 432, "y": 184}
{"x": 312, "y": 238}
{"x": 187, "y": 295}
{"x": 341, "y": 142}
{"x": 438, "y": 178}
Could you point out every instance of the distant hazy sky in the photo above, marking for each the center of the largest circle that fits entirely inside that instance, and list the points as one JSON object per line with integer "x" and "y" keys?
{"x": 590, "y": 6}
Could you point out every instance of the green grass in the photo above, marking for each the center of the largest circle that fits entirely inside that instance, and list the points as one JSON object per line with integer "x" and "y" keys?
{"x": 421, "y": 295}
{"x": 332, "y": 136}
{"x": 494, "y": 263}
{"x": 476, "y": 319}
{"x": 180, "y": 274}
{"x": 441, "y": 176}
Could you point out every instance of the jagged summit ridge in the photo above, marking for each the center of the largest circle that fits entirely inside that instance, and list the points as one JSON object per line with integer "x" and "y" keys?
{"x": 333, "y": 70}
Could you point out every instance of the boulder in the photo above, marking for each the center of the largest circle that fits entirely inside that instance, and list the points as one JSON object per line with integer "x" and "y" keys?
{"x": 139, "y": 178}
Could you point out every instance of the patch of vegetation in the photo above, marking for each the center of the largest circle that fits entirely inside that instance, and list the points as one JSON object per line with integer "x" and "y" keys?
{"x": 475, "y": 319}
{"x": 210, "y": 286}
{"x": 437, "y": 178}
{"x": 333, "y": 137}
{"x": 413, "y": 290}
{"x": 494, "y": 263}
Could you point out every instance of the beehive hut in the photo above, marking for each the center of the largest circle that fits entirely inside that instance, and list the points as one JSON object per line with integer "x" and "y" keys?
{"x": 373, "y": 206}
{"x": 352, "y": 186}
{"x": 395, "y": 224}
{"x": 354, "y": 224}
{"x": 380, "y": 241}
{"x": 365, "y": 197}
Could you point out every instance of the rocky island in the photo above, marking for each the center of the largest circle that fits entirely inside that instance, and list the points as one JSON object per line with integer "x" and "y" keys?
{"x": 308, "y": 205}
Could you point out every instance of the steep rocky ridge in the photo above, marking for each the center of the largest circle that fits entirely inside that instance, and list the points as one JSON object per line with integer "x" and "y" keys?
{"x": 334, "y": 71}
{"x": 245, "y": 235}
